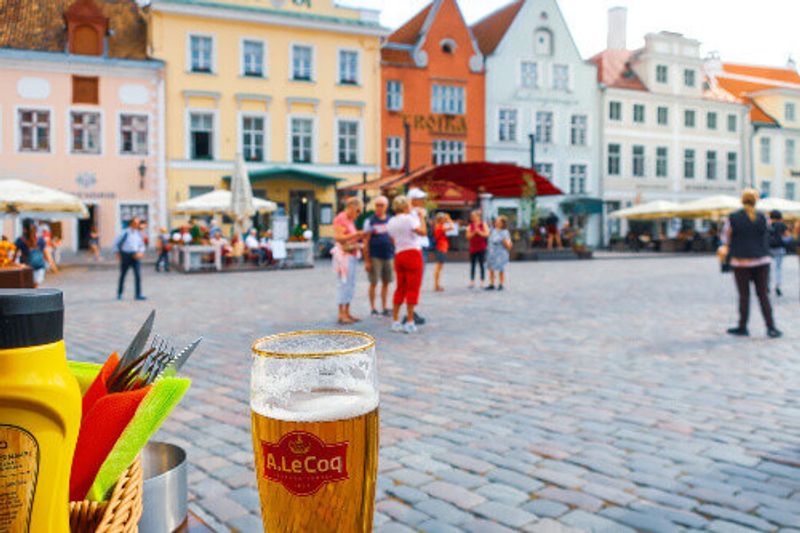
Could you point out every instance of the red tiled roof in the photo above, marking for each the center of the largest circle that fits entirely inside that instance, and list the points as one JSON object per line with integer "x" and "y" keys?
{"x": 741, "y": 89}
{"x": 408, "y": 33}
{"x": 397, "y": 57}
{"x": 489, "y": 31}
{"x": 613, "y": 70}
{"x": 39, "y": 25}
{"x": 780, "y": 74}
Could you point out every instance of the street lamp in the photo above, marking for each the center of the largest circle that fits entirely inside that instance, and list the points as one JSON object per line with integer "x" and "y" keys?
{"x": 142, "y": 173}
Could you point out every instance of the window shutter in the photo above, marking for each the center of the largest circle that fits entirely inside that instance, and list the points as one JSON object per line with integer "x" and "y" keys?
{"x": 85, "y": 90}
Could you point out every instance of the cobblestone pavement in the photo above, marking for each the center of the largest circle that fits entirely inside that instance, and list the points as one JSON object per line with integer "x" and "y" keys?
{"x": 599, "y": 395}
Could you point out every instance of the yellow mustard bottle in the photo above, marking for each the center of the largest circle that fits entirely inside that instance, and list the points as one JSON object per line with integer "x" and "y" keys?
{"x": 40, "y": 413}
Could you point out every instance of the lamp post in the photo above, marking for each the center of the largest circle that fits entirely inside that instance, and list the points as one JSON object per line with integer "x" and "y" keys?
{"x": 142, "y": 173}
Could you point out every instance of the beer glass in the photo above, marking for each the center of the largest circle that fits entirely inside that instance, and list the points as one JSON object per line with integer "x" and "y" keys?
{"x": 314, "y": 404}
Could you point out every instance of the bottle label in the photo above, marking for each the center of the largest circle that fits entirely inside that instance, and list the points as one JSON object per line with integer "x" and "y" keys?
{"x": 19, "y": 471}
{"x": 303, "y": 463}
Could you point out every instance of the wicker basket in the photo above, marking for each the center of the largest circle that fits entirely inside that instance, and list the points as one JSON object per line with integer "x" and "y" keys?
{"x": 120, "y": 514}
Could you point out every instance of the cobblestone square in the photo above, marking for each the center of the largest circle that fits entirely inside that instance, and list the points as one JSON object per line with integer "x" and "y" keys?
{"x": 589, "y": 396}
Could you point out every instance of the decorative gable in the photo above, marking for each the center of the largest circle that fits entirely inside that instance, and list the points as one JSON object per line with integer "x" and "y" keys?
{"x": 86, "y": 28}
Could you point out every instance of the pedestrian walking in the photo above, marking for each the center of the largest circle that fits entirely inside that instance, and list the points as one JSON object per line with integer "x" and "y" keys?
{"x": 551, "y": 225}
{"x": 444, "y": 224}
{"x": 94, "y": 244}
{"x": 417, "y": 197}
{"x": 379, "y": 254}
{"x": 404, "y": 228}
{"x": 32, "y": 250}
{"x": 499, "y": 247}
{"x": 779, "y": 237}
{"x": 477, "y": 235}
{"x": 745, "y": 235}
{"x": 345, "y": 256}
{"x": 129, "y": 246}
{"x": 164, "y": 245}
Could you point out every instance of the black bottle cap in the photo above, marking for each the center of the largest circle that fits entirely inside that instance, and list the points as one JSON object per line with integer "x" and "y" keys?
{"x": 30, "y": 317}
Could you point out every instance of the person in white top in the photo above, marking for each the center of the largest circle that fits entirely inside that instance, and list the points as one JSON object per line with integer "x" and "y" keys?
{"x": 417, "y": 199}
{"x": 404, "y": 229}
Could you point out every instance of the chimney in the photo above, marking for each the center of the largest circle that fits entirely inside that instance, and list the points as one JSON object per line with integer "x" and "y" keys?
{"x": 617, "y": 28}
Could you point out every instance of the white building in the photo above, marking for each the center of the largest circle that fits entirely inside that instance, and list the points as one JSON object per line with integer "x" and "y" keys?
{"x": 537, "y": 84}
{"x": 667, "y": 134}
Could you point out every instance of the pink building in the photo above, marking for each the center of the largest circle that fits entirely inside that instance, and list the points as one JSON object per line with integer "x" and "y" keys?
{"x": 81, "y": 110}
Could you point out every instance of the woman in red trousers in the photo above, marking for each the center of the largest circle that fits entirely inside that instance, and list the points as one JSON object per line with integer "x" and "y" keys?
{"x": 404, "y": 228}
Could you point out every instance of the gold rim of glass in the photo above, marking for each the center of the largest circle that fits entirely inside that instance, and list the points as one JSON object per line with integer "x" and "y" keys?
{"x": 369, "y": 343}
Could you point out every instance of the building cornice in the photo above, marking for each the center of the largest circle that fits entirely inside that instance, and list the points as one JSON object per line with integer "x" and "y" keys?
{"x": 78, "y": 64}
{"x": 633, "y": 94}
{"x": 225, "y": 165}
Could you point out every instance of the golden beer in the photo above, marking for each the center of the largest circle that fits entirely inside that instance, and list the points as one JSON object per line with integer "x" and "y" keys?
{"x": 315, "y": 439}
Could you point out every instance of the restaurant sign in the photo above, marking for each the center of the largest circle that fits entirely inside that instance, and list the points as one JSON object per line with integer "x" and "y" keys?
{"x": 438, "y": 124}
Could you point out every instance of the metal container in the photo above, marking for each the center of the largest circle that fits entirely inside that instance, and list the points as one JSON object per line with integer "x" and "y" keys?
{"x": 165, "y": 488}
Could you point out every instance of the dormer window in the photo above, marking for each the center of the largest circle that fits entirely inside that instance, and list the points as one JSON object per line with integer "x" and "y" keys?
{"x": 543, "y": 42}
{"x": 86, "y": 28}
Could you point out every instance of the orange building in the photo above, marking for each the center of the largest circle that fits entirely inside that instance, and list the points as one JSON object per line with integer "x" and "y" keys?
{"x": 433, "y": 92}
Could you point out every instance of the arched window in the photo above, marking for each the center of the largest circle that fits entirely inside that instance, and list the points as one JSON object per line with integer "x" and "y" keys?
{"x": 448, "y": 46}
{"x": 543, "y": 42}
{"x": 85, "y": 41}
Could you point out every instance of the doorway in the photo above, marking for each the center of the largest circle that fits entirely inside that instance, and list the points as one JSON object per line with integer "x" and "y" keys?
{"x": 85, "y": 226}
{"x": 302, "y": 210}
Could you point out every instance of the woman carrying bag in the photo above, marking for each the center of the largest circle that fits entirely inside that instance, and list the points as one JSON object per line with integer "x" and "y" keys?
{"x": 499, "y": 247}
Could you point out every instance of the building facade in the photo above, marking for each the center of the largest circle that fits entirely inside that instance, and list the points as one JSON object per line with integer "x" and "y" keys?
{"x": 539, "y": 90}
{"x": 667, "y": 133}
{"x": 81, "y": 110}
{"x": 773, "y": 94}
{"x": 294, "y": 86}
{"x": 433, "y": 86}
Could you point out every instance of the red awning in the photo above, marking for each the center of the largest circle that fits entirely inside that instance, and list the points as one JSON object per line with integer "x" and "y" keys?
{"x": 498, "y": 179}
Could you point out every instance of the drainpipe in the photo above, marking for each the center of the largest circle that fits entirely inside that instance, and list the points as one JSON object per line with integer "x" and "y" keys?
{"x": 162, "y": 153}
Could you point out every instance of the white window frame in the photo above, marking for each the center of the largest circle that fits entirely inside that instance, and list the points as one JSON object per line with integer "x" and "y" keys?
{"x": 693, "y": 72}
{"x": 710, "y": 114}
{"x": 358, "y": 79}
{"x": 694, "y": 118}
{"x": 766, "y": 188}
{"x": 665, "y": 161}
{"x": 399, "y": 83}
{"x": 359, "y": 141}
{"x": 694, "y": 164}
{"x": 728, "y": 166}
{"x": 100, "y": 134}
{"x": 522, "y": 76}
{"x": 790, "y": 157}
{"x": 765, "y": 156}
{"x": 666, "y": 71}
{"x": 577, "y": 190}
{"x": 509, "y": 139}
{"x": 715, "y": 177}
{"x": 213, "y": 38}
{"x": 314, "y": 137}
{"x": 658, "y": 117}
{"x": 786, "y": 190}
{"x": 633, "y": 160}
{"x": 619, "y": 156}
{"x": 51, "y": 140}
{"x": 735, "y": 123}
{"x": 150, "y": 137}
{"x": 449, "y": 154}
{"x": 265, "y": 143}
{"x": 313, "y": 73}
{"x": 215, "y": 144}
{"x": 568, "y": 86}
{"x": 612, "y": 104}
{"x": 641, "y": 106}
{"x": 243, "y": 63}
{"x": 585, "y": 128}
{"x": 551, "y": 164}
{"x": 552, "y": 127}
{"x": 400, "y": 153}
{"x": 786, "y": 107}
{"x": 456, "y": 89}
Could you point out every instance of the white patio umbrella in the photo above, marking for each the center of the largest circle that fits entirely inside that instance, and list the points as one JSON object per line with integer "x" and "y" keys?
{"x": 18, "y": 196}
{"x": 241, "y": 194}
{"x": 654, "y": 210}
{"x": 711, "y": 207}
{"x": 788, "y": 208}
{"x": 218, "y": 202}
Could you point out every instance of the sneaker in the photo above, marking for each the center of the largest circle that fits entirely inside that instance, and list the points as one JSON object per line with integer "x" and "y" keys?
{"x": 397, "y": 327}
{"x": 419, "y": 320}
{"x": 774, "y": 333}
{"x": 410, "y": 328}
{"x": 739, "y": 332}
{"x": 386, "y": 312}
{"x": 375, "y": 312}
{"x": 141, "y": 298}
{"x": 489, "y": 288}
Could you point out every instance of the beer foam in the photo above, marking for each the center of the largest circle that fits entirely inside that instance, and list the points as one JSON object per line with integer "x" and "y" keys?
{"x": 318, "y": 405}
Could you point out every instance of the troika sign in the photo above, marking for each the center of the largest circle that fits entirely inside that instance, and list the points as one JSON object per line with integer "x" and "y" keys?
{"x": 446, "y": 124}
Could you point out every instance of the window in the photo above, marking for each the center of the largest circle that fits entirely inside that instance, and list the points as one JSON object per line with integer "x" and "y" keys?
{"x": 788, "y": 111}
{"x": 614, "y": 111}
{"x": 545, "y": 169}
{"x": 394, "y": 152}
{"x": 711, "y": 120}
{"x": 133, "y": 134}
{"x": 201, "y": 135}
{"x": 577, "y": 179}
{"x": 302, "y": 132}
{"x": 302, "y": 62}
{"x": 688, "y": 77}
{"x": 614, "y": 159}
{"x": 544, "y": 127}
{"x": 661, "y": 73}
{"x": 85, "y": 40}
{"x": 199, "y": 190}
{"x": 448, "y": 99}
{"x": 347, "y": 140}
{"x": 507, "y": 125}
{"x": 445, "y": 152}
{"x": 766, "y": 156}
{"x": 85, "y": 90}
{"x": 201, "y": 50}
{"x": 733, "y": 166}
{"x": 348, "y": 67}
{"x": 561, "y": 77}
{"x": 661, "y": 162}
{"x": 529, "y": 75}
{"x": 34, "y": 130}
{"x": 394, "y": 95}
{"x": 326, "y": 213}
{"x": 85, "y": 132}
{"x": 638, "y": 160}
{"x": 253, "y": 136}
{"x": 790, "y": 191}
{"x": 766, "y": 187}
{"x": 688, "y": 118}
{"x": 577, "y": 132}
{"x": 662, "y": 116}
{"x": 128, "y": 212}
{"x": 688, "y": 163}
{"x": 732, "y": 123}
{"x": 790, "y": 149}
{"x": 711, "y": 165}
{"x": 543, "y": 42}
{"x": 253, "y": 58}
{"x": 638, "y": 113}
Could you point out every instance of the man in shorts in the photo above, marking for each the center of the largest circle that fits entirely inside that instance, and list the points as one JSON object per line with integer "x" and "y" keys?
{"x": 379, "y": 254}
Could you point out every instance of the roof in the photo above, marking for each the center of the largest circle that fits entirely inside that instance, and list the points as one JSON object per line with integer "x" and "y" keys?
{"x": 489, "y": 31}
{"x": 291, "y": 173}
{"x": 40, "y": 26}
{"x": 779, "y": 74}
{"x": 613, "y": 70}
{"x": 742, "y": 81}
{"x": 409, "y": 32}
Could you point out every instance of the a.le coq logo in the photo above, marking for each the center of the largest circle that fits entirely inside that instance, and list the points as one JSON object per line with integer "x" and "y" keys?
{"x": 303, "y": 463}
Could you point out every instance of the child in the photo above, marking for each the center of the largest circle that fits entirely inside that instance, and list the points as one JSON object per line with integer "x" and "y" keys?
{"x": 499, "y": 246}
{"x": 444, "y": 224}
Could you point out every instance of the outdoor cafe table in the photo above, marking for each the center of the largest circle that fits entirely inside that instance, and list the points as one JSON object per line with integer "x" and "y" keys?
{"x": 300, "y": 253}
{"x": 189, "y": 257}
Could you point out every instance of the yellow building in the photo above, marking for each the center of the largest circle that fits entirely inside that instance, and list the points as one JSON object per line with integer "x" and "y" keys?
{"x": 293, "y": 85}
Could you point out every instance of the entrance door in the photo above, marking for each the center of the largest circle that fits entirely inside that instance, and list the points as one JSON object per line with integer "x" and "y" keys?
{"x": 85, "y": 226}
{"x": 302, "y": 210}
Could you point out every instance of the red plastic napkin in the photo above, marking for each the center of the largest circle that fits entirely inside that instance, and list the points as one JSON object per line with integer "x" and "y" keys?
{"x": 104, "y": 418}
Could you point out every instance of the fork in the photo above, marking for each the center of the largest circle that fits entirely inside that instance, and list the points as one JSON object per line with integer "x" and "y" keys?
{"x": 150, "y": 365}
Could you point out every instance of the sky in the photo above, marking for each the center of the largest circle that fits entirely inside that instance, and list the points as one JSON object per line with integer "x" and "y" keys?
{"x": 762, "y": 33}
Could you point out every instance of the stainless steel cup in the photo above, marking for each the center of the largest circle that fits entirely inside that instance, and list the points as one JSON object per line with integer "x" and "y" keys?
{"x": 165, "y": 488}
